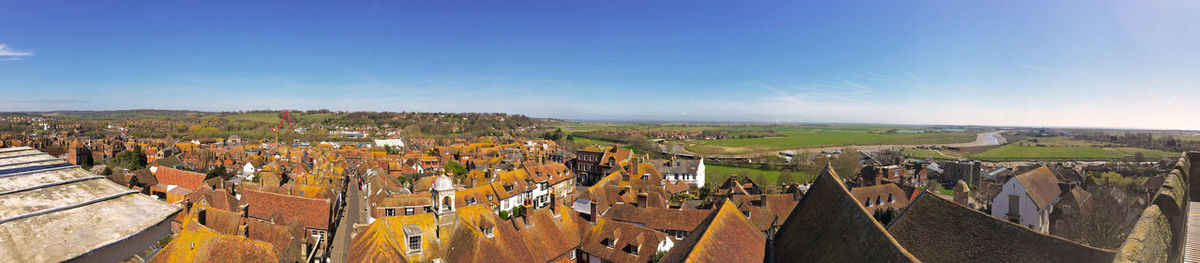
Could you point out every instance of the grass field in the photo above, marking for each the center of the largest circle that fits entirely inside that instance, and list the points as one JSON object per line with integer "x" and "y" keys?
{"x": 929, "y": 154}
{"x": 1058, "y": 148}
{"x": 825, "y": 136}
{"x": 716, "y": 173}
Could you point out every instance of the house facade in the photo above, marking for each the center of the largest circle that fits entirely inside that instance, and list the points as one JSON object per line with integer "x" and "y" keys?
{"x": 1028, "y": 199}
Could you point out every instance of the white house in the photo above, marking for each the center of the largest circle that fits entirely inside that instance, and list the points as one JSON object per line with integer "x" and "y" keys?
{"x": 1028, "y": 199}
{"x": 689, "y": 171}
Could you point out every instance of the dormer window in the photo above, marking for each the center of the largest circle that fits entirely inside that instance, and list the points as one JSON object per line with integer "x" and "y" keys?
{"x": 389, "y": 212}
{"x": 890, "y": 199}
{"x": 412, "y": 236}
{"x": 607, "y": 242}
{"x": 487, "y": 231}
{"x": 632, "y": 250}
{"x": 867, "y": 203}
{"x": 877, "y": 201}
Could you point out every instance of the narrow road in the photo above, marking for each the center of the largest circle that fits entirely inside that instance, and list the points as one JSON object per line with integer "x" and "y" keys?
{"x": 350, "y": 216}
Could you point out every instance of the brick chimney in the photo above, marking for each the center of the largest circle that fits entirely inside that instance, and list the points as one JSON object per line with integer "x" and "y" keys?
{"x": 641, "y": 200}
{"x": 762, "y": 200}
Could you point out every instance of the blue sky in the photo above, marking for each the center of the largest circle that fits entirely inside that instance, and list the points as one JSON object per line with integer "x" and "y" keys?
{"x": 1031, "y": 63}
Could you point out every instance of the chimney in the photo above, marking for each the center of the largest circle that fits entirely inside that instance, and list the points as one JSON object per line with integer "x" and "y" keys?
{"x": 641, "y": 200}
{"x": 594, "y": 214}
{"x": 796, "y": 195}
{"x": 473, "y": 179}
{"x": 762, "y": 200}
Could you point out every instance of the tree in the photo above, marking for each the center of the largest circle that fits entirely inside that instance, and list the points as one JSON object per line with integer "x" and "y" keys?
{"x": 456, "y": 169}
{"x": 107, "y": 171}
{"x": 846, "y": 164}
{"x": 786, "y": 177}
{"x": 215, "y": 172}
{"x": 884, "y": 216}
{"x": 1139, "y": 157}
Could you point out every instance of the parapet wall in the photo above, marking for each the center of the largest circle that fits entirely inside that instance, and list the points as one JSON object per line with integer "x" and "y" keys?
{"x": 1160, "y": 232}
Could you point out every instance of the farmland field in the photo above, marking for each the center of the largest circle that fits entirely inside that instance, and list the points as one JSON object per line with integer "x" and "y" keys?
{"x": 1058, "y": 148}
{"x": 928, "y": 154}
{"x": 808, "y": 137}
{"x": 716, "y": 173}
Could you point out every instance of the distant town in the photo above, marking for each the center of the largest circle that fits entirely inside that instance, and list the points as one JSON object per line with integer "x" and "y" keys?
{"x": 333, "y": 186}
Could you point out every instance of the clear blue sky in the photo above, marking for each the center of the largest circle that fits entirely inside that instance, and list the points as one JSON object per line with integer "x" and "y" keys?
{"x": 1036, "y": 63}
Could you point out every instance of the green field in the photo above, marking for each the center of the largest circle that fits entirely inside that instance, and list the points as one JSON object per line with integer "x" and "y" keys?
{"x": 716, "y": 173}
{"x": 1058, "y": 148}
{"x": 928, "y": 154}
{"x": 825, "y": 136}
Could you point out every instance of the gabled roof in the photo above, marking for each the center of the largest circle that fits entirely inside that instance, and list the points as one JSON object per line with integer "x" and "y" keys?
{"x": 725, "y": 236}
{"x": 657, "y": 217}
{"x": 313, "y": 213}
{"x": 938, "y": 230}
{"x": 171, "y": 176}
{"x": 1041, "y": 184}
{"x": 882, "y": 196}
{"x": 829, "y": 225}
{"x": 196, "y": 243}
{"x": 385, "y": 240}
{"x": 618, "y": 235}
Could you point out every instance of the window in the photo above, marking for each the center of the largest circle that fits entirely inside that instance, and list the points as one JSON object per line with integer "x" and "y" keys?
{"x": 414, "y": 244}
{"x": 488, "y": 232}
{"x": 890, "y": 199}
{"x": 389, "y": 212}
{"x": 1014, "y": 205}
{"x": 632, "y": 250}
{"x": 867, "y": 203}
{"x": 607, "y": 242}
{"x": 680, "y": 234}
{"x": 877, "y": 201}
{"x": 408, "y": 211}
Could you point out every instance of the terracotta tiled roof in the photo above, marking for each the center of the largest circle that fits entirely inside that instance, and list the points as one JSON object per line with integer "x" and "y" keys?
{"x": 881, "y": 196}
{"x": 196, "y": 243}
{"x": 938, "y": 230}
{"x": 658, "y": 218}
{"x": 384, "y": 240}
{"x": 829, "y": 225}
{"x": 312, "y": 213}
{"x": 1041, "y": 184}
{"x": 725, "y": 236}
{"x": 171, "y": 176}
{"x": 764, "y": 216}
{"x": 608, "y": 238}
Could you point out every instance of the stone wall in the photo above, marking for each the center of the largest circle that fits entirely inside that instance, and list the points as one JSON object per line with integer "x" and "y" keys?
{"x": 1159, "y": 234}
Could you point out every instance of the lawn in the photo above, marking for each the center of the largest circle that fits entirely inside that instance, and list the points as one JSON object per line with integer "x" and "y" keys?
{"x": 716, "y": 173}
{"x": 800, "y": 137}
{"x": 1058, "y": 148}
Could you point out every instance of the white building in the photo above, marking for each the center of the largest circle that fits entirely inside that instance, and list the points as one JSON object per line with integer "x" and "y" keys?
{"x": 689, "y": 171}
{"x": 1028, "y": 199}
{"x": 390, "y": 143}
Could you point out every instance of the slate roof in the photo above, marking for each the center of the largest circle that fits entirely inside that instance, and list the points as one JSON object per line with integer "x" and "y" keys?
{"x": 725, "y": 236}
{"x": 60, "y": 212}
{"x": 829, "y": 225}
{"x": 1041, "y": 184}
{"x": 938, "y": 230}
